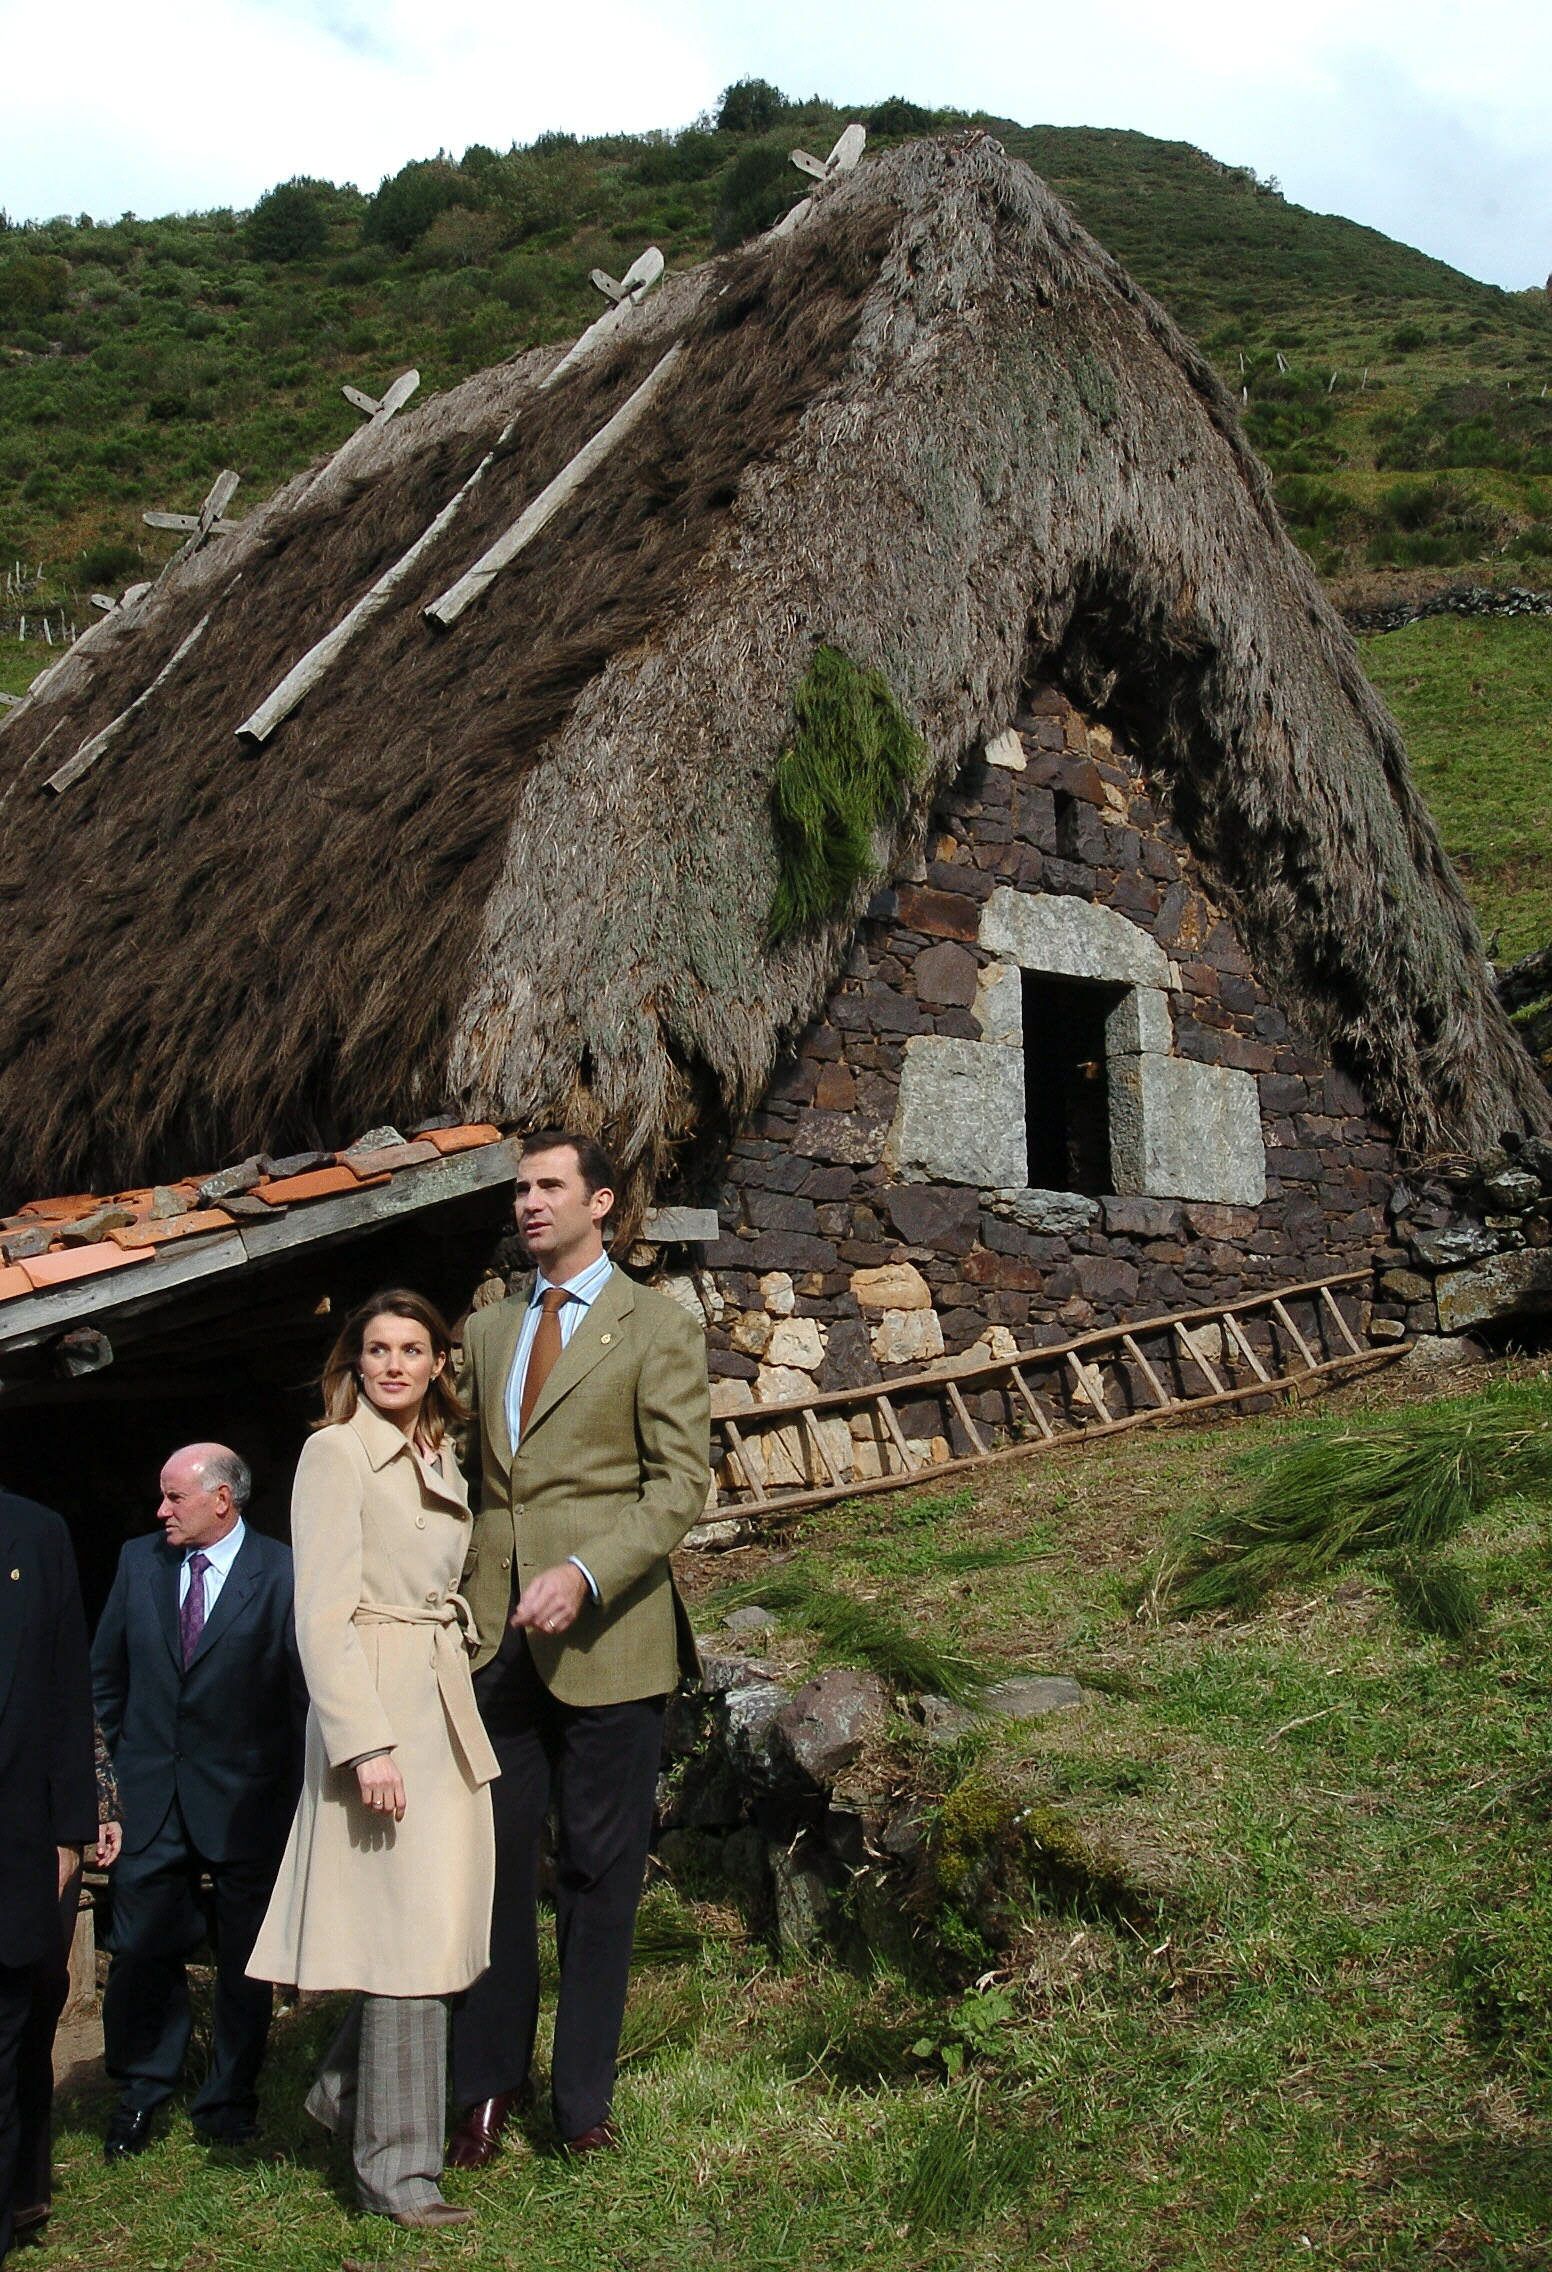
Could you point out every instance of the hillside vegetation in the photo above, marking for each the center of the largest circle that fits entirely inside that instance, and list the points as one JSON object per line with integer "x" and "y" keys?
{"x": 137, "y": 357}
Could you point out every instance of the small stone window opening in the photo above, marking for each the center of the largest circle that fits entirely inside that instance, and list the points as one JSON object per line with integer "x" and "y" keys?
{"x": 1066, "y": 1090}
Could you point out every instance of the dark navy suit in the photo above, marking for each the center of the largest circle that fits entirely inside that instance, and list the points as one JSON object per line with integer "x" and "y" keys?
{"x": 48, "y": 1791}
{"x": 208, "y": 1761}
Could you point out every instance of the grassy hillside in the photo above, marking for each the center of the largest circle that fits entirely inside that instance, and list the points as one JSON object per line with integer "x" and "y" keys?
{"x": 1332, "y": 2045}
{"x": 138, "y": 357}
{"x": 1474, "y": 698}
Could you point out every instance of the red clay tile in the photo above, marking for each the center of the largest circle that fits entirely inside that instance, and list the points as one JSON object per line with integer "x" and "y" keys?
{"x": 322, "y": 1183}
{"x": 60, "y": 1210}
{"x": 74, "y": 1262}
{"x": 157, "y": 1231}
{"x": 13, "y": 1281}
{"x": 466, "y": 1139}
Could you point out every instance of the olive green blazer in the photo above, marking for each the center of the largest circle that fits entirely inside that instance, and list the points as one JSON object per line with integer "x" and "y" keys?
{"x": 613, "y": 1468}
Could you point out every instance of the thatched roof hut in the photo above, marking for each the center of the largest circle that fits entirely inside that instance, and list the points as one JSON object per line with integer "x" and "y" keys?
{"x": 526, "y": 865}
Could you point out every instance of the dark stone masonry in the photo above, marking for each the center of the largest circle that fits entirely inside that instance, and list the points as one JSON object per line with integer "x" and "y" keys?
{"x": 851, "y": 1250}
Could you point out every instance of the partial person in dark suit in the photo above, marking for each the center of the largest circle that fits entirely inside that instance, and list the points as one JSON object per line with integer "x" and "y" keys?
{"x": 48, "y": 1795}
{"x": 199, "y": 1690}
{"x": 33, "y": 2191}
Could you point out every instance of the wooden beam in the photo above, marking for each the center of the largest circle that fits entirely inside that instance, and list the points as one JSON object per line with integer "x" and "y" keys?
{"x": 319, "y": 660}
{"x": 89, "y": 752}
{"x": 476, "y": 581}
{"x": 638, "y": 280}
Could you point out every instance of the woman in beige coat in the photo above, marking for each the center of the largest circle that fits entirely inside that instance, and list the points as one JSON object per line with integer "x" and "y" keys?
{"x": 386, "y": 1883}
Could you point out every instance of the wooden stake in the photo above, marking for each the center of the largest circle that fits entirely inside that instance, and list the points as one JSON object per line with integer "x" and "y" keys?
{"x": 89, "y": 752}
{"x": 476, "y": 581}
{"x": 320, "y": 659}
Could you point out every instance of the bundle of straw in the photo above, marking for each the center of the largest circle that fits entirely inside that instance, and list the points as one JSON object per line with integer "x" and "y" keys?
{"x": 1354, "y": 1490}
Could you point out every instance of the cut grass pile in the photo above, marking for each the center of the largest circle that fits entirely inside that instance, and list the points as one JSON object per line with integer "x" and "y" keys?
{"x": 1334, "y": 2050}
{"x": 1362, "y": 1490}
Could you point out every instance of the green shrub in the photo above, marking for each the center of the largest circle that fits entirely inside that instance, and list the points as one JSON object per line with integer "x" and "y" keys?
{"x": 757, "y": 190}
{"x": 409, "y": 201}
{"x": 897, "y": 117}
{"x": 844, "y": 777}
{"x": 33, "y": 284}
{"x": 750, "y": 106}
{"x": 289, "y": 222}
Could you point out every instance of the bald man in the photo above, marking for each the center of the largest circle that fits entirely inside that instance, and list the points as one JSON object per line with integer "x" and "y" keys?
{"x": 199, "y": 1692}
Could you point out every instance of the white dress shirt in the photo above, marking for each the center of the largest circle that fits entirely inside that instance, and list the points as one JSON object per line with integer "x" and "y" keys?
{"x": 584, "y": 1290}
{"x": 218, "y": 1563}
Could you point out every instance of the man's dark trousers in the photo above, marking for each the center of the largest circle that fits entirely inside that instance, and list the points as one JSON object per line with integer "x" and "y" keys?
{"x": 48, "y": 1795}
{"x": 599, "y": 1765}
{"x": 208, "y": 1760}
{"x": 160, "y": 1916}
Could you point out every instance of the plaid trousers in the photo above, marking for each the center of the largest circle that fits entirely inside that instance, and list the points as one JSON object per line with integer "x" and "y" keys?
{"x": 383, "y": 2085}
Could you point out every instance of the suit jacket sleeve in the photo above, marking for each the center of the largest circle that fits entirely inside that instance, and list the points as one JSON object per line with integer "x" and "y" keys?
{"x": 110, "y": 1662}
{"x": 673, "y": 1433}
{"x": 72, "y": 1762}
{"x": 326, "y": 1515}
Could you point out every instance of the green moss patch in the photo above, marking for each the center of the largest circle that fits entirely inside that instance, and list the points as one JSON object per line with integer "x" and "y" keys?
{"x": 845, "y": 776}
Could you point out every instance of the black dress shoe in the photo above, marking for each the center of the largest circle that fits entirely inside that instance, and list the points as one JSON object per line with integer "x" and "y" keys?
{"x": 234, "y": 2131}
{"x": 129, "y": 2132}
{"x": 603, "y": 2138}
{"x": 477, "y": 2132}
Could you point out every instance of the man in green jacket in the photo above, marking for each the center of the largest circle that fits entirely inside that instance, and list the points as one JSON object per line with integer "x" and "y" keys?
{"x": 591, "y": 1428}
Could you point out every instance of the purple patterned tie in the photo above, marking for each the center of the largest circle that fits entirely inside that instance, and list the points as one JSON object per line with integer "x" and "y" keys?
{"x": 191, "y": 1619}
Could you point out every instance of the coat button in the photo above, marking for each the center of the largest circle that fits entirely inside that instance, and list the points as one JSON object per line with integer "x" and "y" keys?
{"x": 420, "y": 1522}
{"x": 431, "y": 1601}
{"x": 506, "y": 1561}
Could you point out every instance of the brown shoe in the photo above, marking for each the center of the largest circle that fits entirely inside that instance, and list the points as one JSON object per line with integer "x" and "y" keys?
{"x": 434, "y": 2213}
{"x": 603, "y": 2138}
{"x": 478, "y": 2131}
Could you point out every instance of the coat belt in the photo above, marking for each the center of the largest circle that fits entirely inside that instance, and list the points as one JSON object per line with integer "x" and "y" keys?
{"x": 454, "y": 1636}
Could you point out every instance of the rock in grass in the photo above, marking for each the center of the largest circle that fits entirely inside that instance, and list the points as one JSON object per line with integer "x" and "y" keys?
{"x": 826, "y": 1724}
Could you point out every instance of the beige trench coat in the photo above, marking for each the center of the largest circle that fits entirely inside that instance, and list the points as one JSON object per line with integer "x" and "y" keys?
{"x": 394, "y": 1909}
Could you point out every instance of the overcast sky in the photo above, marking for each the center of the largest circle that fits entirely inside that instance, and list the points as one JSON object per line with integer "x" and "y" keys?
{"x": 1429, "y": 119}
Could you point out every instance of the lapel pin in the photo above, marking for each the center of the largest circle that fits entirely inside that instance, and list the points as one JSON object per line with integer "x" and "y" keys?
{"x": 606, "y": 1338}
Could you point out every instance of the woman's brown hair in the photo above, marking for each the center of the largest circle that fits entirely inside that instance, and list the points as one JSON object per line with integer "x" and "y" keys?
{"x": 341, "y": 1382}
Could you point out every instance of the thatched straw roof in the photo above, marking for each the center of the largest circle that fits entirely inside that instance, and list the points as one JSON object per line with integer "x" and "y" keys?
{"x": 524, "y": 866}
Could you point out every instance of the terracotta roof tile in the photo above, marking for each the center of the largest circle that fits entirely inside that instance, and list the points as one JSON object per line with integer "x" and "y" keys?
{"x": 158, "y": 1230}
{"x": 322, "y": 1183}
{"x": 465, "y": 1139}
{"x": 75, "y": 1262}
{"x": 60, "y": 1210}
{"x": 13, "y": 1281}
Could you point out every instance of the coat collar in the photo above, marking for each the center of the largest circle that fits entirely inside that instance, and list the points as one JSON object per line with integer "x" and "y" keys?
{"x": 382, "y": 1441}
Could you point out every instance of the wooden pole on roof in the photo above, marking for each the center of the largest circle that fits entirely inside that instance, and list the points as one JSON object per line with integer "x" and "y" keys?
{"x": 89, "y": 752}
{"x": 476, "y": 581}
{"x": 321, "y": 658}
{"x": 204, "y": 524}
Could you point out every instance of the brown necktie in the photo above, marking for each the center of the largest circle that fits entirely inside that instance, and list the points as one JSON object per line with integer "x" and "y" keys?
{"x": 541, "y": 1357}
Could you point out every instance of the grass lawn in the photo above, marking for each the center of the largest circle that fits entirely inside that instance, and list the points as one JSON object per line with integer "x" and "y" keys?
{"x": 1330, "y": 2045}
{"x": 1474, "y": 699}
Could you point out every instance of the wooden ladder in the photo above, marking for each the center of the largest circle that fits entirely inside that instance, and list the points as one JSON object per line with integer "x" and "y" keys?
{"x": 771, "y": 1461}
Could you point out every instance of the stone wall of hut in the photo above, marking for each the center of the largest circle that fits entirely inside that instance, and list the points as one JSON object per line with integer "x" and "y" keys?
{"x": 878, "y": 1212}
